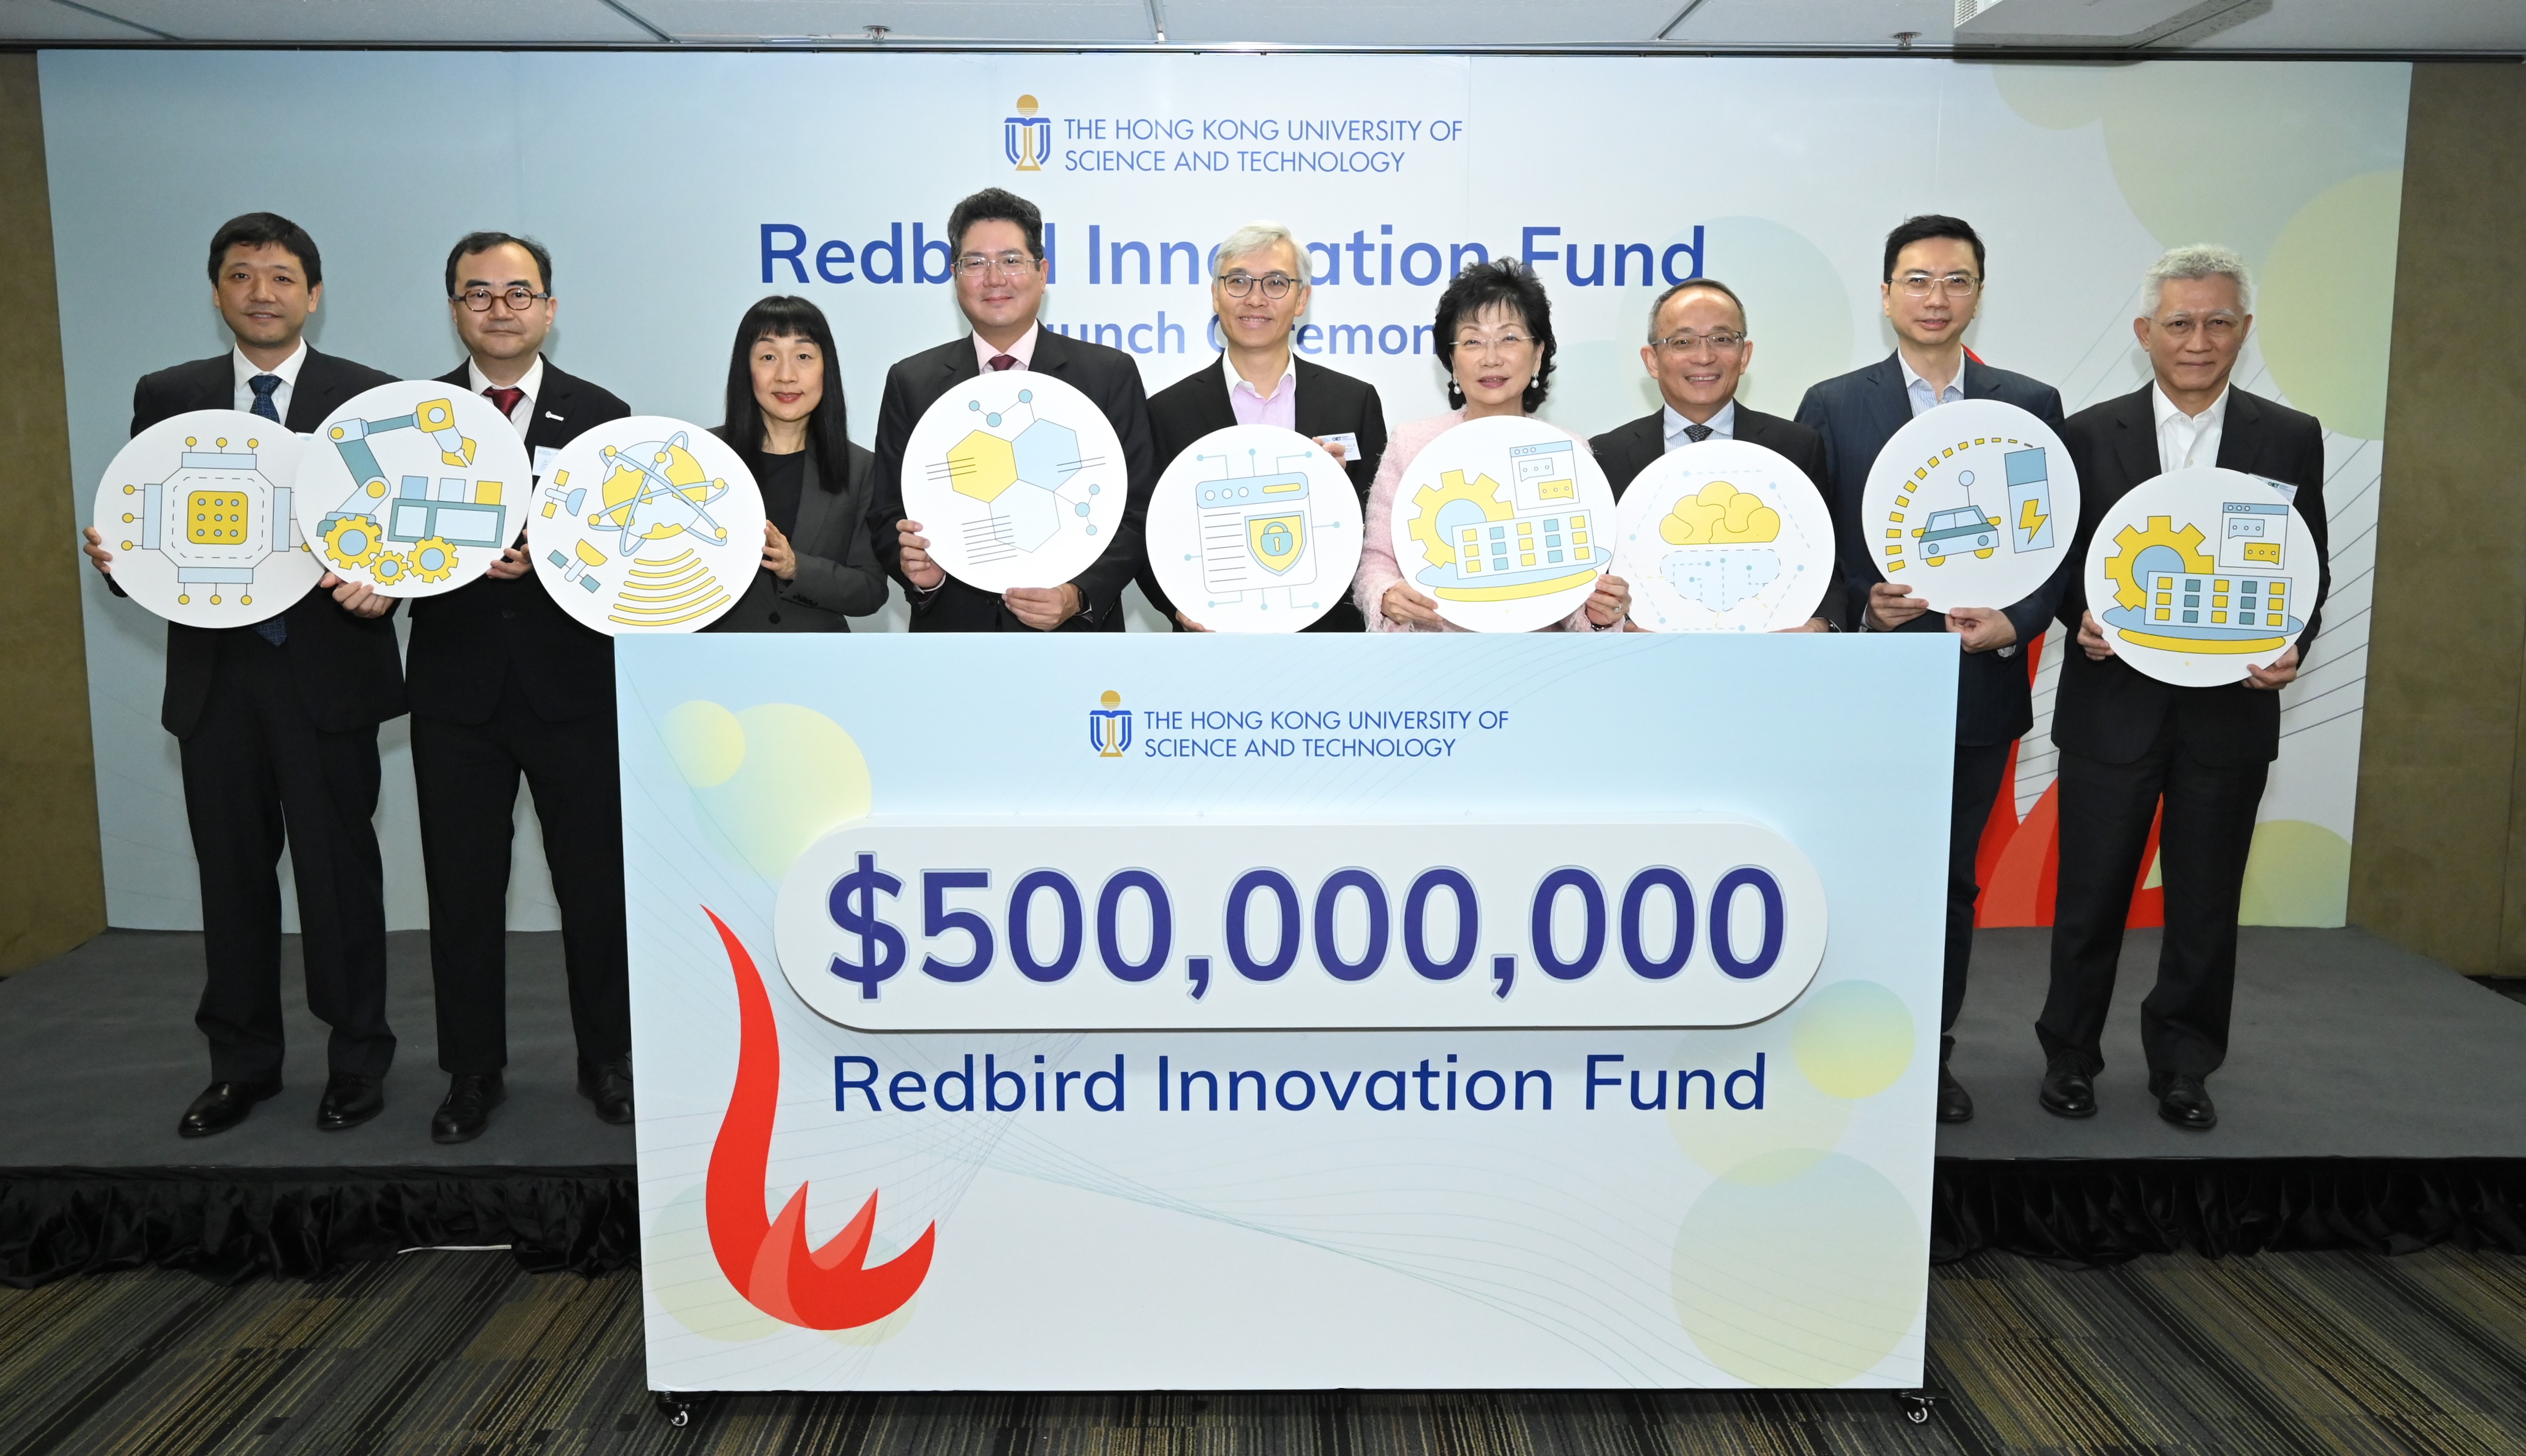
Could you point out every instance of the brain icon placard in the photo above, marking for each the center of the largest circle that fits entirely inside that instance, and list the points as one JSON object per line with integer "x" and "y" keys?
{"x": 1724, "y": 537}
{"x": 414, "y": 487}
{"x": 1017, "y": 480}
{"x": 2197, "y": 574}
{"x": 1972, "y": 504}
{"x": 1504, "y": 522}
{"x": 646, "y": 525}
{"x": 1254, "y": 528}
{"x": 196, "y": 510}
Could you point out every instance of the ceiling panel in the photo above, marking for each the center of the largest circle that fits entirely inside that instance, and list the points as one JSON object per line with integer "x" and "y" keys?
{"x": 1097, "y": 20}
{"x": 43, "y": 19}
{"x": 1833, "y": 22}
{"x": 1418, "y": 22}
{"x": 2374, "y": 24}
{"x": 493, "y": 21}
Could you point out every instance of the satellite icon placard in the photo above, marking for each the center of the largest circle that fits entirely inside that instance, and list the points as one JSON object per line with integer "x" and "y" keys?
{"x": 646, "y": 525}
{"x": 1017, "y": 480}
{"x": 413, "y": 487}
{"x": 1254, "y": 528}
{"x": 196, "y": 510}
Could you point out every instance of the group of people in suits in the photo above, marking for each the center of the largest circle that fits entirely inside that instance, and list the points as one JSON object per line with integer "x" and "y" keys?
{"x": 278, "y": 722}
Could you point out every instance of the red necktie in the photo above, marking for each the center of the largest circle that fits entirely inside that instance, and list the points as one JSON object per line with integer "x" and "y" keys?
{"x": 1001, "y": 362}
{"x": 506, "y": 399}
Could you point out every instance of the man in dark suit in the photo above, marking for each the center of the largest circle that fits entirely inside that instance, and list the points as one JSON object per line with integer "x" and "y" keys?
{"x": 1697, "y": 352}
{"x": 504, "y": 682}
{"x": 1258, "y": 291}
{"x": 1932, "y": 282}
{"x": 2127, "y": 740}
{"x": 278, "y": 725}
{"x": 999, "y": 277}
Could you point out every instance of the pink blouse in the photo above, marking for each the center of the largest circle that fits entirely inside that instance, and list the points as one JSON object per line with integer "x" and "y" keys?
{"x": 1378, "y": 566}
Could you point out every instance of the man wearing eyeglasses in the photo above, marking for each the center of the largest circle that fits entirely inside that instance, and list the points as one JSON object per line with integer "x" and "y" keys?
{"x": 2128, "y": 740}
{"x": 1697, "y": 352}
{"x": 1933, "y": 284}
{"x": 504, "y": 683}
{"x": 1258, "y": 291}
{"x": 999, "y": 278}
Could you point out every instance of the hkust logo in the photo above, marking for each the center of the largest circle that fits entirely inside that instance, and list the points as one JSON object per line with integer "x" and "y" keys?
{"x": 1030, "y": 137}
{"x": 1109, "y": 728}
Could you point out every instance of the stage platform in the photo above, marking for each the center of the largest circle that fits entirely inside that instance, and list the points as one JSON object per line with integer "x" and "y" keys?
{"x": 2372, "y": 1100}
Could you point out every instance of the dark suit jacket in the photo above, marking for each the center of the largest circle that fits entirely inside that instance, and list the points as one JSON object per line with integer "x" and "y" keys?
{"x": 348, "y": 673}
{"x": 468, "y": 644}
{"x": 838, "y": 575}
{"x": 1106, "y": 375}
{"x": 1626, "y": 450}
{"x": 2107, "y": 710}
{"x": 1857, "y": 413}
{"x": 1329, "y": 402}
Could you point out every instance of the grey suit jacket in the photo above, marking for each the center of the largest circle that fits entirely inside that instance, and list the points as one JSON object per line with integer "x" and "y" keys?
{"x": 838, "y": 575}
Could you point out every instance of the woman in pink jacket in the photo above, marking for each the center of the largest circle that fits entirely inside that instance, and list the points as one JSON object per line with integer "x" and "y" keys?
{"x": 1494, "y": 334}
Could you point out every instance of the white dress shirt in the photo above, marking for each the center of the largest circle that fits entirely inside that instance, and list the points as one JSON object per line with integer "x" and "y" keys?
{"x": 531, "y": 382}
{"x": 2187, "y": 439}
{"x": 246, "y": 369}
{"x": 1023, "y": 351}
{"x": 1917, "y": 389}
{"x": 1723, "y": 425}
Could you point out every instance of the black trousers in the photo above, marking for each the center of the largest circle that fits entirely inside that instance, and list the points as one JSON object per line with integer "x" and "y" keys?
{"x": 258, "y": 775}
{"x": 2105, "y": 812}
{"x": 467, "y": 780}
{"x": 1979, "y": 768}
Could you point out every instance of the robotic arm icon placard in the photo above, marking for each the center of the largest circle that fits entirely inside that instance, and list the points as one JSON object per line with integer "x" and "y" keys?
{"x": 417, "y": 477}
{"x": 1254, "y": 528}
{"x": 198, "y": 519}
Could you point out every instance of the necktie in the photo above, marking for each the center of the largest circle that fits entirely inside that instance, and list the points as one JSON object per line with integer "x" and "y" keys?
{"x": 1696, "y": 434}
{"x": 506, "y": 399}
{"x": 263, "y": 386}
{"x": 1002, "y": 361}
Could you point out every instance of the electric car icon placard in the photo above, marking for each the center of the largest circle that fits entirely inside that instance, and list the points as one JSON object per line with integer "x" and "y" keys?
{"x": 1953, "y": 533}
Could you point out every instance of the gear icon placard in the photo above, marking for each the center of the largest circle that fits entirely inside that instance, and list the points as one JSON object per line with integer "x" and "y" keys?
{"x": 1972, "y": 504}
{"x": 2199, "y": 574}
{"x": 1017, "y": 480}
{"x": 1505, "y": 523}
{"x": 1723, "y": 536}
{"x": 644, "y": 525}
{"x": 414, "y": 487}
{"x": 1254, "y": 528}
{"x": 197, "y": 512}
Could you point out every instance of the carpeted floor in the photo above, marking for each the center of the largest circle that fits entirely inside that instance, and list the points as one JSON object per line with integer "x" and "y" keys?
{"x": 462, "y": 1353}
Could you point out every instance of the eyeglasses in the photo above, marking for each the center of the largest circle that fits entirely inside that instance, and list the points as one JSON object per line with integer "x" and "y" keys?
{"x": 1686, "y": 341}
{"x": 1922, "y": 285}
{"x": 1274, "y": 284}
{"x": 1506, "y": 343}
{"x": 1010, "y": 264}
{"x": 519, "y": 299}
{"x": 2217, "y": 328}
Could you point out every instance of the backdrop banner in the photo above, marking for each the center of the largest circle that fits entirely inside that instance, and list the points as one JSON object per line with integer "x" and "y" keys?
{"x": 669, "y": 209}
{"x": 1127, "y": 1013}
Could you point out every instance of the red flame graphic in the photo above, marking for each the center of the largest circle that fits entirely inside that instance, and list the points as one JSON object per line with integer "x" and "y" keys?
{"x": 768, "y": 1260}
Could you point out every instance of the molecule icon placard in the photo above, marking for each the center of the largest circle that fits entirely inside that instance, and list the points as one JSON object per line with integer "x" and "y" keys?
{"x": 414, "y": 487}
{"x": 196, "y": 510}
{"x": 646, "y": 525}
{"x": 1506, "y": 523}
{"x": 1017, "y": 480}
{"x": 1254, "y": 528}
{"x": 2199, "y": 574}
{"x": 1724, "y": 537}
{"x": 1972, "y": 504}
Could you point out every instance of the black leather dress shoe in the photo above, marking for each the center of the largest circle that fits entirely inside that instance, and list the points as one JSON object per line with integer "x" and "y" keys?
{"x": 1955, "y": 1104}
{"x": 223, "y": 1105}
{"x": 2183, "y": 1101}
{"x": 2068, "y": 1090}
{"x": 608, "y": 1084}
{"x": 467, "y": 1110}
{"x": 348, "y": 1102}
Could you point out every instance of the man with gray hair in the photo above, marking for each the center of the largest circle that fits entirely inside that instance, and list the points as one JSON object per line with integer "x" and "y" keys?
{"x": 1258, "y": 291}
{"x": 2127, "y": 740}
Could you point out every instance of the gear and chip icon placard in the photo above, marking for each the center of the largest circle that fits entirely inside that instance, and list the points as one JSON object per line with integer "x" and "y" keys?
{"x": 1504, "y": 523}
{"x": 1017, "y": 480}
{"x": 196, "y": 510}
{"x": 1254, "y": 528}
{"x": 646, "y": 525}
{"x": 1972, "y": 504}
{"x": 2200, "y": 573}
{"x": 1723, "y": 536}
{"x": 414, "y": 487}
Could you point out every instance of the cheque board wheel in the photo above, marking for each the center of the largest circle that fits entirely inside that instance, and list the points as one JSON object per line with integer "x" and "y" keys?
{"x": 1916, "y": 1405}
{"x": 677, "y": 1406}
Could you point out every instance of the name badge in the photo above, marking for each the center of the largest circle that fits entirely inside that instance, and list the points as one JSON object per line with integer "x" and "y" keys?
{"x": 1348, "y": 441}
{"x": 544, "y": 455}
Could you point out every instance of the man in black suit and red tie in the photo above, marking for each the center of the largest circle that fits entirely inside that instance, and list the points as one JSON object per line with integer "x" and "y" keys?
{"x": 998, "y": 268}
{"x": 1258, "y": 291}
{"x": 278, "y": 725}
{"x": 2128, "y": 739}
{"x": 1697, "y": 352}
{"x": 505, "y": 683}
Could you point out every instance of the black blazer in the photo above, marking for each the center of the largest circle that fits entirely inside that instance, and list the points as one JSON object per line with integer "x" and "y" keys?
{"x": 1106, "y": 375}
{"x": 348, "y": 673}
{"x": 2106, "y": 710}
{"x": 1626, "y": 450}
{"x": 1856, "y": 414}
{"x": 1330, "y": 402}
{"x": 838, "y": 575}
{"x": 464, "y": 644}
